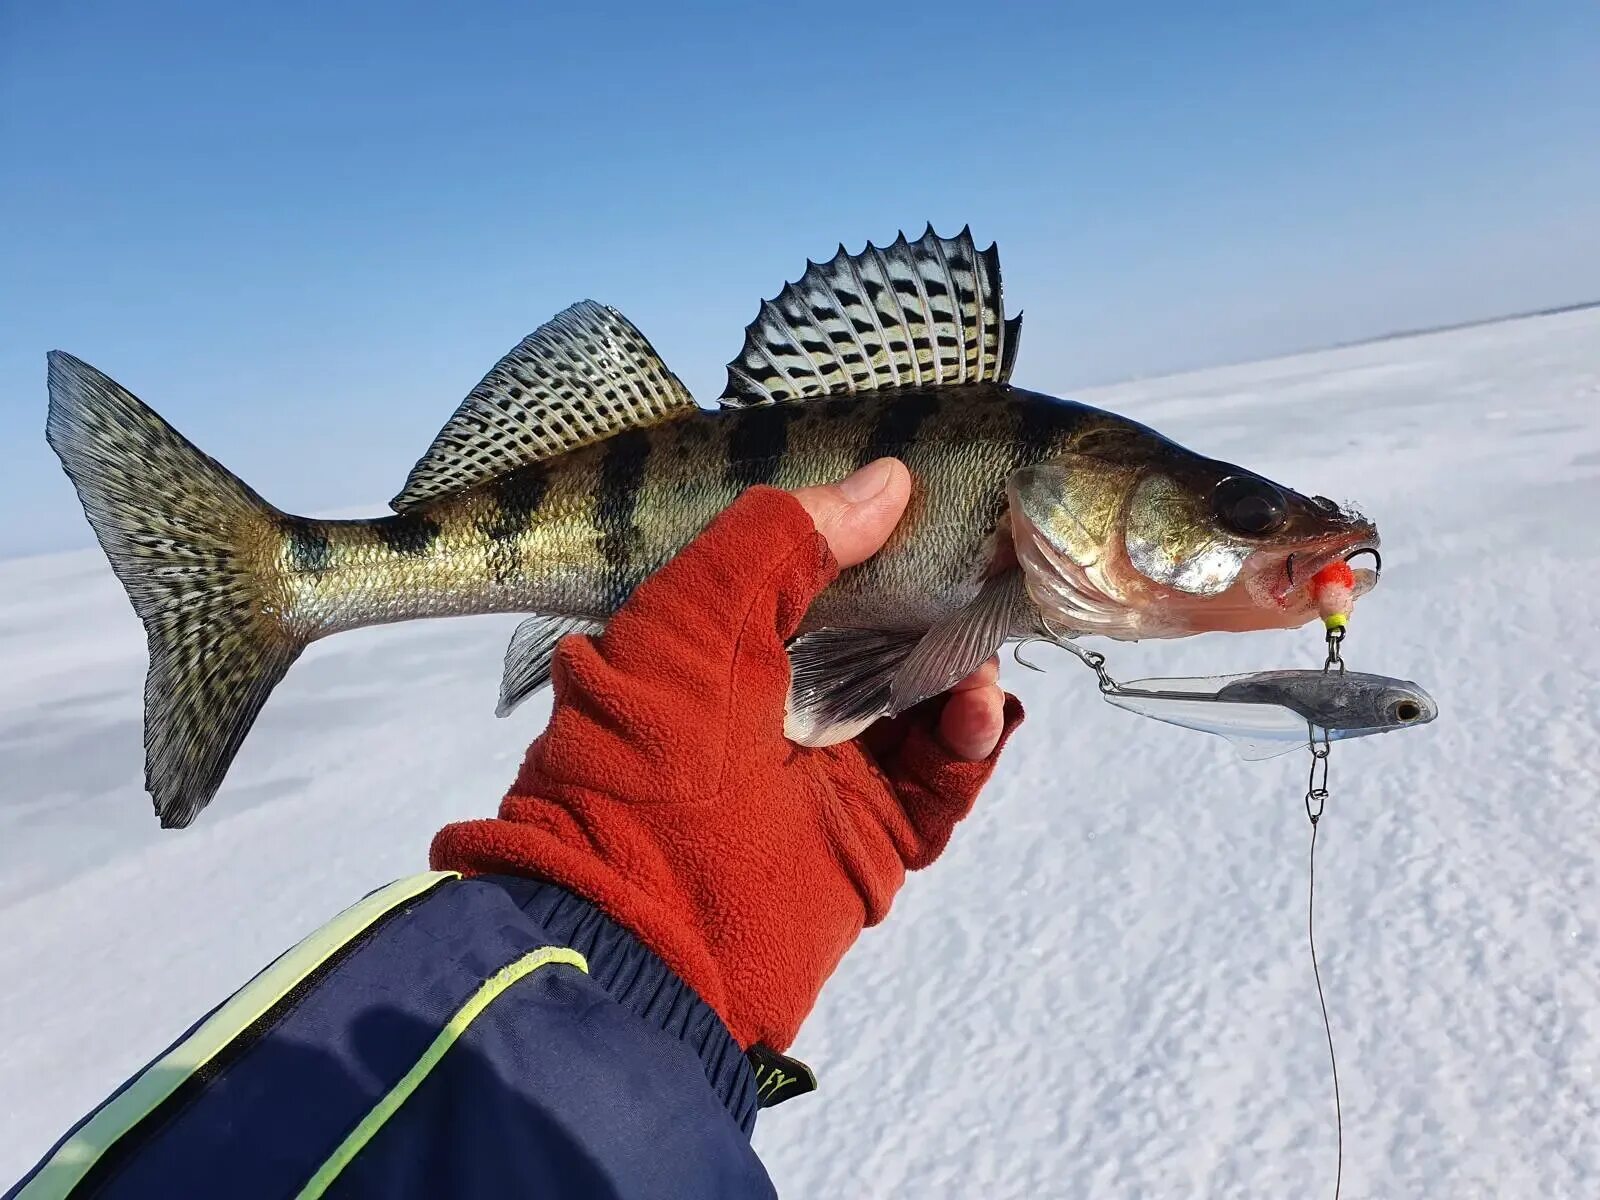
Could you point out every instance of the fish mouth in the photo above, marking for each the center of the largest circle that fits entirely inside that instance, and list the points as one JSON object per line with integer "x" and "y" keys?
{"x": 1301, "y": 566}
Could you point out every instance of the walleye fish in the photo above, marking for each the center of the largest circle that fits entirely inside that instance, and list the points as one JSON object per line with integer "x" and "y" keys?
{"x": 580, "y": 464}
{"x": 1267, "y": 713}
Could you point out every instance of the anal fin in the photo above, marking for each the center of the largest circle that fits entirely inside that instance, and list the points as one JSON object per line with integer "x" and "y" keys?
{"x": 530, "y": 652}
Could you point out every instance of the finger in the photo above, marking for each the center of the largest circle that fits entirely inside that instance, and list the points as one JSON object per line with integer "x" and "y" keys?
{"x": 857, "y": 514}
{"x": 984, "y": 676}
{"x": 972, "y": 721}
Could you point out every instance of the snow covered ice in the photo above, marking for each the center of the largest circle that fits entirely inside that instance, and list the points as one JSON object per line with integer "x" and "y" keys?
{"x": 1120, "y": 1003}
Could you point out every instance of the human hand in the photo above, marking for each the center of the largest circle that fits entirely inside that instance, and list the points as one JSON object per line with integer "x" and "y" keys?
{"x": 665, "y": 792}
{"x": 855, "y": 517}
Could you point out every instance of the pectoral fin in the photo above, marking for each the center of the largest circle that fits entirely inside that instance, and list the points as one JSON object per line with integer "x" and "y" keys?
{"x": 958, "y": 645}
{"x": 1255, "y": 748}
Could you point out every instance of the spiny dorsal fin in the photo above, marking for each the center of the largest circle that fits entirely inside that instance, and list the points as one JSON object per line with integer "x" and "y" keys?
{"x": 582, "y": 376}
{"x": 913, "y": 314}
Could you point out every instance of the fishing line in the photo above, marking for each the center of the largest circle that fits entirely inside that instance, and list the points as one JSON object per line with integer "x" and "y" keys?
{"x": 1320, "y": 743}
{"x": 1327, "y": 1025}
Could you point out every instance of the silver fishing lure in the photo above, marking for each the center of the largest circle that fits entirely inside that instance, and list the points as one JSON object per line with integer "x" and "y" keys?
{"x": 1267, "y": 713}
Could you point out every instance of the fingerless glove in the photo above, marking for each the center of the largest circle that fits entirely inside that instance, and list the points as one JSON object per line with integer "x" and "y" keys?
{"x": 665, "y": 792}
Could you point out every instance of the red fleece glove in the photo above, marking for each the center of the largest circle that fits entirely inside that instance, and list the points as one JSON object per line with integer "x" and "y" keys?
{"x": 665, "y": 792}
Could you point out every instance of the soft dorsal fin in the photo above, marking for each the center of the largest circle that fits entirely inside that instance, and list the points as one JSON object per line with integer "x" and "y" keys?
{"x": 580, "y": 377}
{"x": 913, "y": 314}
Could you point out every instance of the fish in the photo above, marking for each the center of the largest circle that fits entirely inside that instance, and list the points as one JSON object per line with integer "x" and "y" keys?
{"x": 1267, "y": 713}
{"x": 580, "y": 464}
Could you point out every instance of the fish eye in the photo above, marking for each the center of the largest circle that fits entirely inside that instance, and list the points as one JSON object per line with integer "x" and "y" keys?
{"x": 1249, "y": 505}
{"x": 1407, "y": 710}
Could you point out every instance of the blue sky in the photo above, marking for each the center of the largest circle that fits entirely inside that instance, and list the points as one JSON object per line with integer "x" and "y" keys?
{"x": 302, "y": 231}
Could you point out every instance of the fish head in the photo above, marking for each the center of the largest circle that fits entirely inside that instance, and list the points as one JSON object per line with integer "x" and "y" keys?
{"x": 1368, "y": 704}
{"x": 1132, "y": 536}
{"x": 1346, "y": 703}
{"x": 1398, "y": 704}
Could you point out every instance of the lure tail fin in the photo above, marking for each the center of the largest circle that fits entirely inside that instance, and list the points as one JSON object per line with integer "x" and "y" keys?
{"x": 190, "y": 543}
{"x": 1257, "y": 730}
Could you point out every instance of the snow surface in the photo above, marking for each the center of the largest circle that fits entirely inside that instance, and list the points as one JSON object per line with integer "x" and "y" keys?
{"x": 1103, "y": 988}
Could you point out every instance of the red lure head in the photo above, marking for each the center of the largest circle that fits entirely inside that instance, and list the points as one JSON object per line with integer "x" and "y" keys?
{"x": 1333, "y": 589}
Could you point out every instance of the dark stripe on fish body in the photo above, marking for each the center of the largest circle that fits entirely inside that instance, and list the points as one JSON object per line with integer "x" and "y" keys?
{"x": 309, "y": 550}
{"x": 518, "y": 496}
{"x": 410, "y": 534}
{"x": 897, "y": 426}
{"x": 1037, "y": 427}
{"x": 621, "y": 480}
{"x": 515, "y": 500}
{"x": 757, "y": 442}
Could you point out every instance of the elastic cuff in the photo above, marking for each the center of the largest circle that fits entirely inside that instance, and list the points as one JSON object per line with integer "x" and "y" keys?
{"x": 940, "y": 788}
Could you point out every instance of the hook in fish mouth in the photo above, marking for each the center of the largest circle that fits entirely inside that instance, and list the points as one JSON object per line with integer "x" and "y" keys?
{"x": 1301, "y": 566}
{"x": 1377, "y": 559}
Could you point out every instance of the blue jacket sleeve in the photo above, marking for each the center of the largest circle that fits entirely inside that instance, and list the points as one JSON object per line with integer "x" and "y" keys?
{"x": 444, "y": 1037}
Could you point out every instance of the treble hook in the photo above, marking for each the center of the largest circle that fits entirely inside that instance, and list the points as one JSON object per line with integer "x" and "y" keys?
{"x": 1016, "y": 652}
{"x": 1050, "y": 637}
{"x": 1092, "y": 659}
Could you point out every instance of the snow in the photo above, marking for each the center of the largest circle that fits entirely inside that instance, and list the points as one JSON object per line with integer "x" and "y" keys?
{"x": 1103, "y": 988}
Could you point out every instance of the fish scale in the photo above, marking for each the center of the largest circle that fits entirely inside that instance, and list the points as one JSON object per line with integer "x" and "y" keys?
{"x": 580, "y": 464}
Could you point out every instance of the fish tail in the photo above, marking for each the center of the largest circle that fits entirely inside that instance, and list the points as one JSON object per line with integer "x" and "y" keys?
{"x": 194, "y": 547}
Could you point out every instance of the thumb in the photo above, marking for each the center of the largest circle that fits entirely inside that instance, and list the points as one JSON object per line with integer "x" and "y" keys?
{"x": 857, "y": 514}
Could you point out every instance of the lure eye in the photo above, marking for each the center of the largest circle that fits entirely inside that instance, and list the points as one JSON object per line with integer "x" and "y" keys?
{"x": 1407, "y": 710}
{"x": 1249, "y": 505}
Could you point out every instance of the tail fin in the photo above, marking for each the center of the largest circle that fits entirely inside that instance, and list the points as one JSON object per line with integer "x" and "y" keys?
{"x": 184, "y": 536}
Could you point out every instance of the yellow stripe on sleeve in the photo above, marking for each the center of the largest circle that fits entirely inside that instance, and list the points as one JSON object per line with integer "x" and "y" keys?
{"x": 487, "y": 993}
{"x": 68, "y": 1165}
